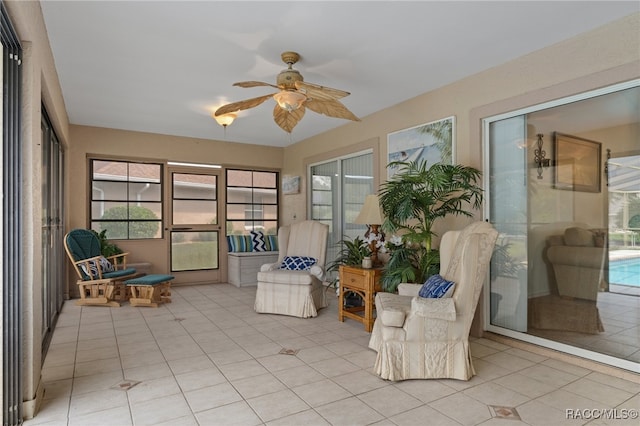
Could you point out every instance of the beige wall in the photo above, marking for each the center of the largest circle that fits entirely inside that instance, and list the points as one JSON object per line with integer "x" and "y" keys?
{"x": 607, "y": 55}
{"x": 111, "y": 143}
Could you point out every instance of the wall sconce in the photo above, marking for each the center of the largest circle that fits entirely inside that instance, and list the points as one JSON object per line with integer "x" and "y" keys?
{"x": 539, "y": 156}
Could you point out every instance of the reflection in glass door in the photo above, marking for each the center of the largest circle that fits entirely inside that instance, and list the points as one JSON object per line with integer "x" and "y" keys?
{"x": 195, "y": 228}
{"x": 623, "y": 173}
{"x": 508, "y": 213}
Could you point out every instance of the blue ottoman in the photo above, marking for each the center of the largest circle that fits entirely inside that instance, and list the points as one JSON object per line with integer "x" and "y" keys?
{"x": 150, "y": 290}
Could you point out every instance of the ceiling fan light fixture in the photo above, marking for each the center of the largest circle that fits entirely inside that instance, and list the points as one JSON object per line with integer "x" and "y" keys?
{"x": 225, "y": 119}
{"x": 293, "y": 97}
{"x": 289, "y": 100}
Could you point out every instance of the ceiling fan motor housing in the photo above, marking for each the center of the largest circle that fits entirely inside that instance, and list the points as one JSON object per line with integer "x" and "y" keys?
{"x": 287, "y": 79}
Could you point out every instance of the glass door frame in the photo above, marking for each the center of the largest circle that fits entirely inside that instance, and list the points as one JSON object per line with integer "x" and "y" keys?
{"x": 204, "y": 276}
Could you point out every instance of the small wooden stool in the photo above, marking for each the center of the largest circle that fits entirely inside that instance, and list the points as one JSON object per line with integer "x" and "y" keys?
{"x": 150, "y": 290}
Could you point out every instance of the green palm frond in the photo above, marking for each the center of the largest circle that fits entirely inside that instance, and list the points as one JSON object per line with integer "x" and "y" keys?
{"x": 413, "y": 199}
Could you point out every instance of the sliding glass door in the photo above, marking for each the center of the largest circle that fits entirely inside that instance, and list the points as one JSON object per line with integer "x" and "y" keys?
{"x": 568, "y": 223}
{"x": 53, "y": 257}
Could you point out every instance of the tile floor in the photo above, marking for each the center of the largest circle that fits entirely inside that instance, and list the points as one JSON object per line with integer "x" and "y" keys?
{"x": 209, "y": 359}
{"x": 620, "y": 316}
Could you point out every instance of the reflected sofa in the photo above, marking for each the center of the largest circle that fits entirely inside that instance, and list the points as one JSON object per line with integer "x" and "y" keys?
{"x": 578, "y": 260}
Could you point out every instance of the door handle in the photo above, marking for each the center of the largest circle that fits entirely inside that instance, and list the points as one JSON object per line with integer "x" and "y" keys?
{"x": 181, "y": 229}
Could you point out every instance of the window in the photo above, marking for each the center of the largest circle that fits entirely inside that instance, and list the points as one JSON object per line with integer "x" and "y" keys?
{"x": 126, "y": 199}
{"x": 252, "y": 201}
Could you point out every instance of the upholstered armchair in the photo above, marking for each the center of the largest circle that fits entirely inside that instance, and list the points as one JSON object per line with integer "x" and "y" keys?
{"x": 579, "y": 259}
{"x": 422, "y": 338}
{"x": 294, "y": 285}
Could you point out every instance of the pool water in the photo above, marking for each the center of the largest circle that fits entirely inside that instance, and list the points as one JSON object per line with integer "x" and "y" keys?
{"x": 625, "y": 271}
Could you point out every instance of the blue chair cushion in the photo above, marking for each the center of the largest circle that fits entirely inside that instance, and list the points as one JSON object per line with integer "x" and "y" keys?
{"x": 120, "y": 273}
{"x": 83, "y": 244}
{"x": 152, "y": 279}
{"x": 437, "y": 287}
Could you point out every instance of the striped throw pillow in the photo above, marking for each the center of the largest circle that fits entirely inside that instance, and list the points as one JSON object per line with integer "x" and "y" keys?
{"x": 272, "y": 242}
{"x": 239, "y": 243}
{"x": 257, "y": 241}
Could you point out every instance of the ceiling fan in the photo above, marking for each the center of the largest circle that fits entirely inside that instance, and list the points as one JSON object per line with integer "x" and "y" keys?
{"x": 293, "y": 98}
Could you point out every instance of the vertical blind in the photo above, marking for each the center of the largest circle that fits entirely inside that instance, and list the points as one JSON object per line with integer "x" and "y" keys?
{"x": 11, "y": 223}
{"x": 338, "y": 189}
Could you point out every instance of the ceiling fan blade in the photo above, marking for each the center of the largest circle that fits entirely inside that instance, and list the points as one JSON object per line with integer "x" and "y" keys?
{"x": 320, "y": 92}
{"x": 287, "y": 120}
{"x": 254, "y": 84}
{"x": 240, "y": 105}
{"x": 331, "y": 108}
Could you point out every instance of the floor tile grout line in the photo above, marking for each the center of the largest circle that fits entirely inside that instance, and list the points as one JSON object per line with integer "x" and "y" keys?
{"x": 122, "y": 369}
{"x": 257, "y": 359}
{"x": 221, "y": 372}
{"x": 75, "y": 362}
{"x": 323, "y": 326}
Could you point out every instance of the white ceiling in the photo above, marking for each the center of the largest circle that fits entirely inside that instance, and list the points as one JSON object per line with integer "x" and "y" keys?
{"x": 165, "y": 66}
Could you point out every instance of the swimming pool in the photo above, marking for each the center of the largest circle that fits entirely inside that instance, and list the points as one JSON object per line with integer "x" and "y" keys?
{"x": 625, "y": 271}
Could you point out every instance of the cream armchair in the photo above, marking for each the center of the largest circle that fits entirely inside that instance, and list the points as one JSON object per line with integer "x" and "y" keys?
{"x": 297, "y": 293}
{"x": 420, "y": 338}
{"x": 580, "y": 262}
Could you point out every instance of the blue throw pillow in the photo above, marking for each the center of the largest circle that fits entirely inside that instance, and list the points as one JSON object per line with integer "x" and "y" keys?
{"x": 257, "y": 241}
{"x": 436, "y": 287}
{"x": 297, "y": 263}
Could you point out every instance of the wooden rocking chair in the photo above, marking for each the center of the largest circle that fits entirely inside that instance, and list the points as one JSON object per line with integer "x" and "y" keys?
{"x": 100, "y": 279}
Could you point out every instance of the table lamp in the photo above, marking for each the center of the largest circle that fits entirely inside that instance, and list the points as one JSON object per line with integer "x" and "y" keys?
{"x": 371, "y": 216}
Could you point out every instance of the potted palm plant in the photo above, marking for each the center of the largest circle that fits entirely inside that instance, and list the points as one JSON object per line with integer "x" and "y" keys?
{"x": 412, "y": 200}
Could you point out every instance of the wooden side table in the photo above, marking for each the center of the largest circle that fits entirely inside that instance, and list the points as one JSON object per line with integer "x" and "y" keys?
{"x": 365, "y": 283}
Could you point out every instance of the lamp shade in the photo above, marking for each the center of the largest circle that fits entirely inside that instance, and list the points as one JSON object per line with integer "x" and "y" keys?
{"x": 370, "y": 213}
